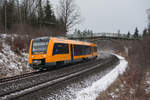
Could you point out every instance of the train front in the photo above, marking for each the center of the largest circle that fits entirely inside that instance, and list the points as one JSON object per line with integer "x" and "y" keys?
{"x": 37, "y": 52}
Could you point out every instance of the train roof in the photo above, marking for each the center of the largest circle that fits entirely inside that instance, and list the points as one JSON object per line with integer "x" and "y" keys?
{"x": 64, "y": 40}
{"x": 41, "y": 39}
{"x": 60, "y": 40}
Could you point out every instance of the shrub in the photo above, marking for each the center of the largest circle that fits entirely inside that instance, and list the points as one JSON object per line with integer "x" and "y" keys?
{"x": 1, "y": 46}
{"x": 8, "y": 40}
{"x": 139, "y": 53}
{"x": 19, "y": 44}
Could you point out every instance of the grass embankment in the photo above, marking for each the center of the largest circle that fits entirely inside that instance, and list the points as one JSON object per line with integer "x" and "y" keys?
{"x": 135, "y": 83}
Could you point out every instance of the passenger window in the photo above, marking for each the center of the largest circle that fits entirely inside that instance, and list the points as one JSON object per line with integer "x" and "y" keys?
{"x": 60, "y": 48}
{"x": 81, "y": 50}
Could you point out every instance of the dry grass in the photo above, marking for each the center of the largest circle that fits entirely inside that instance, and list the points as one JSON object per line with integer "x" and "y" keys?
{"x": 132, "y": 85}
{"x": 26, "y": 29}
{"x": 18, "y": 44}
{"x": 124, "y": 88}
{"x": 1, "y": 46}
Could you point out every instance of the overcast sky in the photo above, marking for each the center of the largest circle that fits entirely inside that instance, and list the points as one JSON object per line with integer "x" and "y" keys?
{"x": 112, "y": 15}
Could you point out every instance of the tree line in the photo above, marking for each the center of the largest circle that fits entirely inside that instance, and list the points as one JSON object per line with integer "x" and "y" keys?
{"x": 37, "y": 16}
{"x": 89, "y": 33}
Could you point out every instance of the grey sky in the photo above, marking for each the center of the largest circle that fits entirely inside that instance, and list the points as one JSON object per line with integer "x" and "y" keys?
{"x": 112, "y": 15}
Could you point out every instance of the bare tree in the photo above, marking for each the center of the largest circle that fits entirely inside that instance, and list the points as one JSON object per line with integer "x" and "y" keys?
{"x": 68, "y": 14}
{"x": 29, "y": 8}
{"x": 148, "y": 13}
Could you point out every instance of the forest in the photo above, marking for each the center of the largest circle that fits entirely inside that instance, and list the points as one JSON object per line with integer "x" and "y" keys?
{"x": 37, "y": 17}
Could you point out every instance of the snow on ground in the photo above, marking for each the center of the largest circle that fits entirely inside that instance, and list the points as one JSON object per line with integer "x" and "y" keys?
{"x": 91, "y": 92}
{"x": 11, "y": 63}
{"x": 147, "y": 90}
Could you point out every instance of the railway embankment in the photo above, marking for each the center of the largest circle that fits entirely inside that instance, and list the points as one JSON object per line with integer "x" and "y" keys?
{"x": 27, "y": 85}
{"x": 13, "y": 55}
{"x": 134, "y": 84}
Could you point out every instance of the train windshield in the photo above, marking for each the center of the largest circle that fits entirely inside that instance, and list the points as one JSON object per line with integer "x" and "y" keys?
{"x": 40, "y": 46}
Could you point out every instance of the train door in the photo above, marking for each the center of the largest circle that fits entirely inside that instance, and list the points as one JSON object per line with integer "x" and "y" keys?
{"x": 71, "y": 52}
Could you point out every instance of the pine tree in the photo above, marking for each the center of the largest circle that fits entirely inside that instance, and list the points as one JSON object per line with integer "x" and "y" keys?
{"x": 128, "y": 35}
{"x": 136, "y": 33}
{"x": 49, "y": 19}
{"x": 79, "y": 34}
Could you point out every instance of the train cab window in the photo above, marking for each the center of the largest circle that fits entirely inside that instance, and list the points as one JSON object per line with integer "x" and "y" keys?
{"x": 40, "y": 46}
{"x": 60, "y": 48}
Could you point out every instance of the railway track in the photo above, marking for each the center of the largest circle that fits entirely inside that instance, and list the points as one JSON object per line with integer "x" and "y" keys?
{"x": 4, "y": 80}
{"x": 16, "y": 77}
{"x": 17, "y": 87}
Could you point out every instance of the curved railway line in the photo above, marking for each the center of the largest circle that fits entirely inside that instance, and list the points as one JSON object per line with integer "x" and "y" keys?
{"x": 17, "y": 86}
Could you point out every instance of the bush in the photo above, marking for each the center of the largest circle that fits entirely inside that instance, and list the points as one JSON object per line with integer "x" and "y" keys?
{"x": 139, "y": 53}
{"x": 1, "y": 46}
{"x": 139, "y": 61}
{"x": 8, "y": 40}
{"x": 19, "y": 44}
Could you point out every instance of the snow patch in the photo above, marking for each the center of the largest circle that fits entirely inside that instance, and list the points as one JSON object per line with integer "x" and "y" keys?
{"x": 11, "y": 64}
{"x": 147, "y": 90}
{"x": 113, "y": 95}
{"x": 90, "y": 93}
